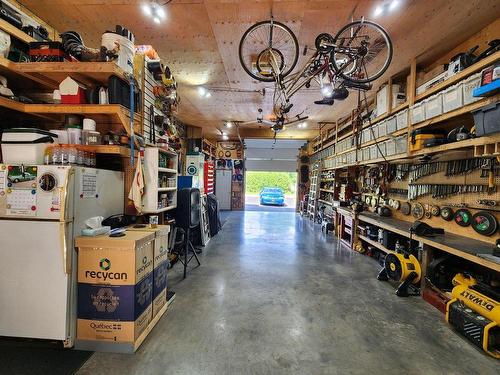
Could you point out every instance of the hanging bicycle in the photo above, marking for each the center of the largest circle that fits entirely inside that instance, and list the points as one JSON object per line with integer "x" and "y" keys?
{"x": 359, "y": 54}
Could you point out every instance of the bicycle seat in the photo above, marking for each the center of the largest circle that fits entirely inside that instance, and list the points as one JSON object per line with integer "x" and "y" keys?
{"x": 359, "y": 86}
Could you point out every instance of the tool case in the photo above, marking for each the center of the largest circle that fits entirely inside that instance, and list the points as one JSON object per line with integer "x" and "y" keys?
{"x": 119, "y": 93}
{"x": 47, "y": 52}
{"x": 487, "y": 119}
{"x": 420, "y": 137}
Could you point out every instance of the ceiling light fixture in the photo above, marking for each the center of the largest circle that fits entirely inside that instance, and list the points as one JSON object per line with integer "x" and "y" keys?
{"x": 229, "y": 124}
{"x": 155, "y": 10}
{"x": 327, "y": 91}
{"x": 225, "y": 137}
{"x": 385, "y": 7}
{"x": 203, "y": 92}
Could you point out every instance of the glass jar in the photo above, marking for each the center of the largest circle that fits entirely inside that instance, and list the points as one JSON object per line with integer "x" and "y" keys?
{"x": 93, "y": 159}
{"x": 164, "y": 200}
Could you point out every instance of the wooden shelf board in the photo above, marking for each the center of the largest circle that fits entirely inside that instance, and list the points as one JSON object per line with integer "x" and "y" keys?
{"x": 468, "y": 143}
{"x": 169, "y": 170}
{"x": 15, "y": 32}
{"x": 449, "y": 242}
{"x": 457, "y": 112}
{"x": 110, "y": 149}
{"x": 160, "y": 210}
{"x": 459, "y": 76}
{"x": 325, "y": 202}
{"x": 374, "y": 243}
{"x": 167, "y": 189}
{"x": 327, "y": 190}
{"x": 55, "y": 72}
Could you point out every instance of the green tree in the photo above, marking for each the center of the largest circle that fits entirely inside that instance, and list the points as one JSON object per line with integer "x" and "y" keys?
{"x": 255, "y": 181}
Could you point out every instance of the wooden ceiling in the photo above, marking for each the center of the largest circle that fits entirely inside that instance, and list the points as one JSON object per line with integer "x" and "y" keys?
{"x": 199, "y": 41}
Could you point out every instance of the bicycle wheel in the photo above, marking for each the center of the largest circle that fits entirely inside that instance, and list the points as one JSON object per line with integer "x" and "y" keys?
{"x": 362, "y": 53}
{"x": 263, "y": 42}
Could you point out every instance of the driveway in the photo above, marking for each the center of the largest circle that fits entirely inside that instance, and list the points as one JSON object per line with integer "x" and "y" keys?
{"x": 252, "y": 204}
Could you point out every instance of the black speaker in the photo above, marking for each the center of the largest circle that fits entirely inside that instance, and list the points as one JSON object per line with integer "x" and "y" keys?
{"x": 188, "y": 208}
{"x": 304, "y": 174}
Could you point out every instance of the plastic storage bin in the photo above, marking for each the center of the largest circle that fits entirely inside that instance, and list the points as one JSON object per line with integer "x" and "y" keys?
{"x": 487, "y": 119}
{"x": 402, "y": 119}
{"x": 382, "y": 128}
{"x": 390, "y": 147}
{"x": 468, "y": 86}
{"x": 25, "y": 145}
{"x": 418, "y": 113}
{"x": 391, "y": 124}
{"x": 453, "y": 98}
{"x": 366, "y": 154}
{"x": 401, "y": 145}
{"x": 433, "y": 106}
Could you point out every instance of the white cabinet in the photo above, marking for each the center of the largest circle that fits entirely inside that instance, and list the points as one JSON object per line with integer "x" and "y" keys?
{"x": 160, "y": 176}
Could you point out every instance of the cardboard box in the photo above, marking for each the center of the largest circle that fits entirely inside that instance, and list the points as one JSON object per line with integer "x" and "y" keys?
{"x": 115, "y": 260}
{"x": 160, "y": 278}
{"x": 113, "y": 331}
{"x": 114, "y": 302}
{"x": 160, "y": 242}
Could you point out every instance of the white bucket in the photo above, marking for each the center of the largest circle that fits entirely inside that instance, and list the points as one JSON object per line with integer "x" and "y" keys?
{"x": 89, "y": 124}
{"x": 126, "y": 55}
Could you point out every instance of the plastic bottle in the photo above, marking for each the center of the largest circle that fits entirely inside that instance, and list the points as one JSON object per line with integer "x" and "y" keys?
{"x": 72, "y": 155}
{"x": 56, "y": 155}
{"x": 64, "y": 154}
{"x": 47, "y": 156}
{"x": 80, "y": 156}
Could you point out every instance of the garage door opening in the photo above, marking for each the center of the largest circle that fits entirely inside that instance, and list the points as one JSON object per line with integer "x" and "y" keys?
{"x": 270, "y": 191}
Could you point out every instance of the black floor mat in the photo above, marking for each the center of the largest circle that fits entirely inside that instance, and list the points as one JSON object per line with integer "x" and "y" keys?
{"x": 27, "y": 358}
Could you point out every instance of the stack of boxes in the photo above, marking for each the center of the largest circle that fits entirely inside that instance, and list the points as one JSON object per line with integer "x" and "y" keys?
{"x": 160, "y": 263}
{"x": 115, "y": 287}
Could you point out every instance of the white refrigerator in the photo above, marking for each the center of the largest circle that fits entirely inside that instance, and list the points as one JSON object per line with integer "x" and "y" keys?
{"x": 42, "y": 209}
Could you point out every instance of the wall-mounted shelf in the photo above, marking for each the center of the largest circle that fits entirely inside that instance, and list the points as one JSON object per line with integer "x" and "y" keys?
{"x": 374, "y": 243}
{"x": 15, "y": 32}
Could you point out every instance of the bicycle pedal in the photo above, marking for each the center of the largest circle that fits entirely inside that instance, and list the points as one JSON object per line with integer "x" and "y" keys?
{"x": 325, "y": 101}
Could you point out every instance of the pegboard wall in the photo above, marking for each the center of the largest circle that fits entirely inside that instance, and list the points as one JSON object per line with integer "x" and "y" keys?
{"x": 468, "y": 200}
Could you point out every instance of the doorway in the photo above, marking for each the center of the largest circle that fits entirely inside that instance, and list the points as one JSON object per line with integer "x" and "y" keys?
{"x": 271, "y": 174}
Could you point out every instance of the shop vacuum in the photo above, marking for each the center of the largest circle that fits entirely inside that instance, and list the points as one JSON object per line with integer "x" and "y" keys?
{"x": 474, "y": 311}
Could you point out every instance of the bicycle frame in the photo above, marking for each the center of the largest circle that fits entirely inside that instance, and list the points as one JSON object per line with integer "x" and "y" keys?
{"x": 292, "y": 83}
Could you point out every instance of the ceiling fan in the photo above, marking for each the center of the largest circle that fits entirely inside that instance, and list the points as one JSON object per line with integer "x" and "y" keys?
{"x": 278, "y": 124}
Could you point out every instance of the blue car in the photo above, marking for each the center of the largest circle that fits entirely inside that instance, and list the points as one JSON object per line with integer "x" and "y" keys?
{"x": 274, "y": 196}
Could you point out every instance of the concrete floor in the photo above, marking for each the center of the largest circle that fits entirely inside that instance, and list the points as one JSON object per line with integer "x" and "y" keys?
{"x": 273, "y": 296}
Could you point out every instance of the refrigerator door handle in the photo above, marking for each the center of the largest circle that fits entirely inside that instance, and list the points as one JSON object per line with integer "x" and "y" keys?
{"x": 63, "y": 238}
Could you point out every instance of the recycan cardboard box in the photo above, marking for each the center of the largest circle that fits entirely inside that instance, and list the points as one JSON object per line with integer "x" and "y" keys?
{"x": 115, "y": 286}
{"x": 160, "y": 242}
{"x": 160, "y": 287}
{"x": 160, "y": 263}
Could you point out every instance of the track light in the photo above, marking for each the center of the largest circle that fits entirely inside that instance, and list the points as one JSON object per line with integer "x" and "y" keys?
{"x": 225, "y": 137}
{"x": 203, "y": 92}
{"x": 385, "y": 7}
{"x": 327, "y": 91}
{"x": 229, "y": 124}
{"x": 155, "y": 11}
{"x": 302, "y": 125}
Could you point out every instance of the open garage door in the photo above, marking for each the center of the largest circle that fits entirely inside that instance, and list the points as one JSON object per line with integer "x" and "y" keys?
{"x": 271, "y": 165}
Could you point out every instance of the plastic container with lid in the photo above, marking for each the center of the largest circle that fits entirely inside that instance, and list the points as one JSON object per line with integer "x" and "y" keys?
{"x": 25, "y": 145}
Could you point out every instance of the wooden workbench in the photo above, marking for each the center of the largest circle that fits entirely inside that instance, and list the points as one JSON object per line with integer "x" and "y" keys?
{"x": 463, "y": 247}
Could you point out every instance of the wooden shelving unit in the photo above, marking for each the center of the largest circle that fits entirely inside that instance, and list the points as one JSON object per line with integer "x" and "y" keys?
{"x": 15, "y": 32}
{"x": 374, "y": 243}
